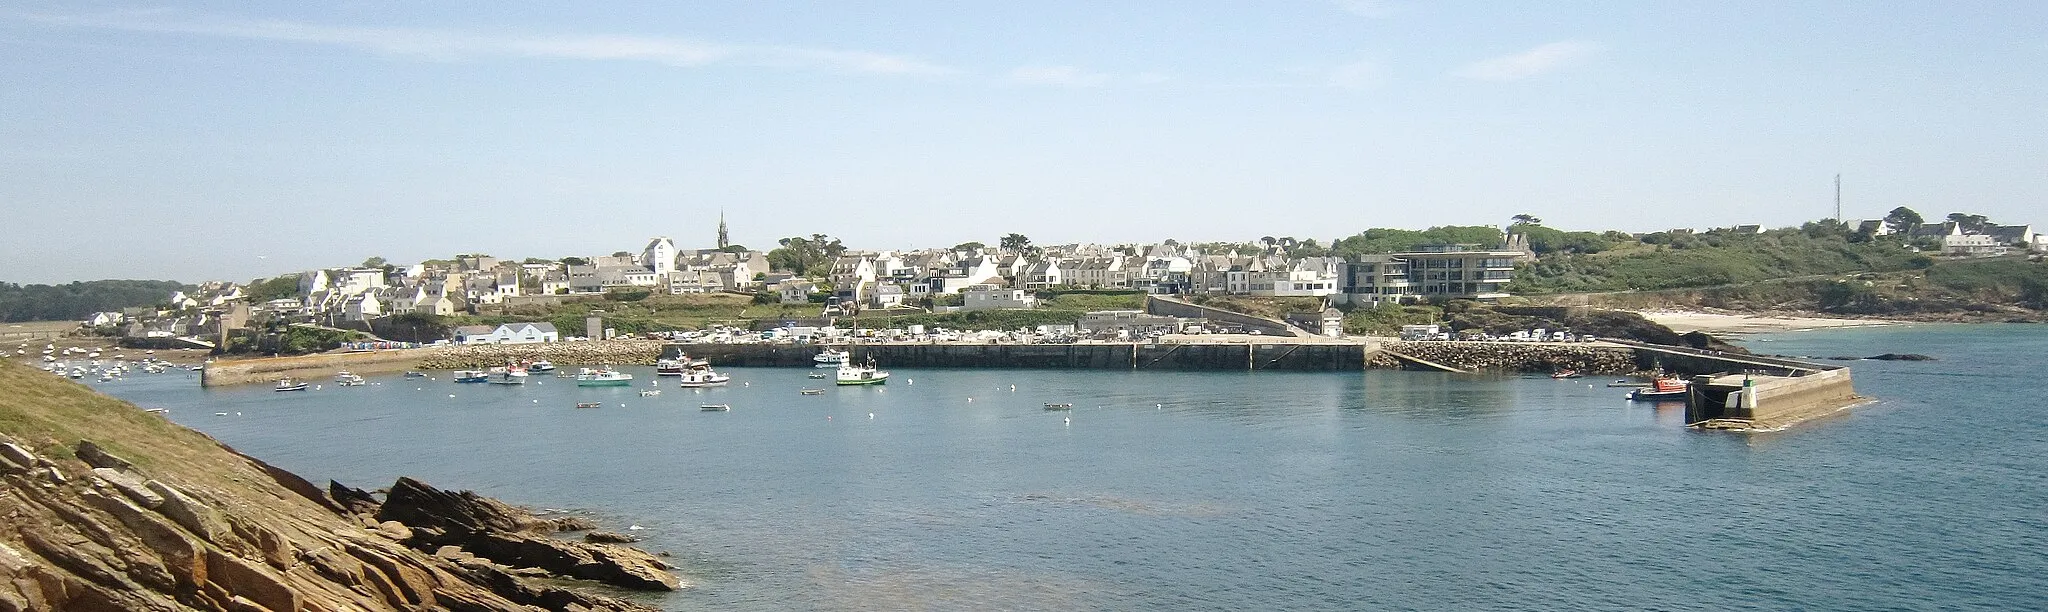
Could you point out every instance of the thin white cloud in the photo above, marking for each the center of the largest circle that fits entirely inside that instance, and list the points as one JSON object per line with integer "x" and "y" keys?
{"x": 1373, "y": 9}
{"x": 1061, "y": 76}
{"x": 1532, "y": 63}
{"x": 1356, "y": 75}
{"x": 457, "y": 45}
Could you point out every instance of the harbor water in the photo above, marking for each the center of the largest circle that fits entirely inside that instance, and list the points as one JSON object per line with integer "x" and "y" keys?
{"x": 947, "y": 489}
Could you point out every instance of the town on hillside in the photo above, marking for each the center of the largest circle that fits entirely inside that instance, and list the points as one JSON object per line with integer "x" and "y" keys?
{"x": 815, "y": 280}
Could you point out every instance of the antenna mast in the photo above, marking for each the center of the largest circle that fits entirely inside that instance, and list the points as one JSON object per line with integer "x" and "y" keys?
{"x": 1838, "y": 199}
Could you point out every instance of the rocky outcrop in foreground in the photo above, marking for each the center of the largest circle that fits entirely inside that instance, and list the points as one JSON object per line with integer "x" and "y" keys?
{"x": 148, "y": 515}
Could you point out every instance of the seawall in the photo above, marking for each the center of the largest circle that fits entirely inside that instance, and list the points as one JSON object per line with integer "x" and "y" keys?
{"x": 221, "y": 373}
{"x": 311, "y": 367}
{"x": 1122, "y": 356}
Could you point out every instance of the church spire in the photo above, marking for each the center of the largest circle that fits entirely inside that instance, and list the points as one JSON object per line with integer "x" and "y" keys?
{"x": 722, "y": 242}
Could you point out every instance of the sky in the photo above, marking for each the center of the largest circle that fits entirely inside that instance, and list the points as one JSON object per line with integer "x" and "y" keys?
{"x": 237, "y": 140}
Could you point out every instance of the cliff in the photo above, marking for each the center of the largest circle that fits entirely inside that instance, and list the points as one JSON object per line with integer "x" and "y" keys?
{"x": 109, "y": 507}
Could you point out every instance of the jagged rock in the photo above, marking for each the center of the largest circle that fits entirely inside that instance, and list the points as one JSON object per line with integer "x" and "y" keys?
{"x": 352, "y": 500}
{"x": 614, "y": 565}
{"x": 98, "y": 457}
{"x": 572, "y": 523}
{"x": 1901, "y": 357}
{"x": 455, "y": 515}
{"x": 130, "y": 486}
{"x": 191, "y": 513}
{"x": 16, "y": 459}
{"x": 243, "y": 579}
{"x": 183, "y": 557}
{"x": 609, "y": 537}
{"x": 395, "y": 530}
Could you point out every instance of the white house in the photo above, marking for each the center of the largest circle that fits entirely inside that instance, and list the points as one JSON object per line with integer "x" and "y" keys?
{"x": 991, "y": 297}
{"x": 362, "y": 307}
{"x": 1971, "y": 244}
{"x": 660, "y": 256}
{"x": 888, "y": 295}
{"x": 509, "y": 333}
{"x": 1044, "y": 273}
{"x": 797, "y": 292}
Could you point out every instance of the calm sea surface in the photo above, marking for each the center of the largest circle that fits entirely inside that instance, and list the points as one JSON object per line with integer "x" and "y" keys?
{"x": 1234, "y": 491}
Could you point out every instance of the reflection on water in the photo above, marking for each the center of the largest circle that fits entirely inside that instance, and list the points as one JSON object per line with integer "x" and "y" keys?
{"x": 1234, "y": 490}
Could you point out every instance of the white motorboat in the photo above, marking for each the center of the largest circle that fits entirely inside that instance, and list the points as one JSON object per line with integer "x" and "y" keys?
{"x": 831, "y": 358}
{"x": 703, "y": 378}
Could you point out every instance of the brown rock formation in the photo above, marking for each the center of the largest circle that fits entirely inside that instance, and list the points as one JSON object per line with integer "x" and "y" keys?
{"x": 151, "y": 516}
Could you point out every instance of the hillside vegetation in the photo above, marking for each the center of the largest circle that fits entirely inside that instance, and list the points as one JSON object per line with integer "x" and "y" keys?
{"x": 78, "y": 300}
{"x": 1666, "y": 260}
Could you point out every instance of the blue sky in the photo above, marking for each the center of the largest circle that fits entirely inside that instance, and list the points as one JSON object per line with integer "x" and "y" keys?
{"x": 231, "y": 140}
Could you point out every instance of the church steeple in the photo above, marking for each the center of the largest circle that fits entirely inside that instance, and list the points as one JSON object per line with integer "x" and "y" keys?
{"x": 722, "y": 242}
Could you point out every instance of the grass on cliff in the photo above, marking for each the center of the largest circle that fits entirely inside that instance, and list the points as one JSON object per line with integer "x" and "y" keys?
{"x": 52, "y": 413}
{"x": 1719, "y": 257}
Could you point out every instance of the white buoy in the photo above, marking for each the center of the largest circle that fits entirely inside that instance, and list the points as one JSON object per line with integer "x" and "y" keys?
{"x": 536, "y": 401}
{"x": 451, "y": 395}
{"x": 1159, "y": 406}
{"x": 1013, "y": 388}
{"x": 238, "y": 413}
{"x": 871, "y": 416}
{"x": 1068, "y": 421}
{"x": 910, "y": 381}
{"x": 970, "y": 400}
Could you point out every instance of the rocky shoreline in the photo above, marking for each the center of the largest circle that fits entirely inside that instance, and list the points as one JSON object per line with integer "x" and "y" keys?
{"x": 150, "y": 516}
{"x": 601, "y": 352}
{"x": 1513, "y": 357}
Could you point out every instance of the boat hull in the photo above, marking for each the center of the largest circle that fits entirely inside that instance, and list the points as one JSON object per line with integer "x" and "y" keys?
{"x": 604, "y": 383}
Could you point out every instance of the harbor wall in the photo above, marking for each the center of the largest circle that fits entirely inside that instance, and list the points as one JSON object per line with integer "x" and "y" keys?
{"x": 1780, "y": 401}
{"x": 1166, "y": 306}
{"x": 1517, "y": 356}
{"x": 1120, "y": 356}
{"x": 221, "y": 373}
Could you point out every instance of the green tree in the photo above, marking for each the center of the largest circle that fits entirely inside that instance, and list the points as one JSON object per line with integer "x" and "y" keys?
{"x": 805, "y": 256}
{"x": 1015, "y": 243}
{"x": 969, "y": 246}
{"x": 264, "y": 290}
{"x": 374, "y": 262}
{"x": 574, "y": 261}
{"x": 1969, "y": 222}
{"x": 1902, "y": 220}
{"x": 733, "y": 248}
{"x": 1525, "y": 219}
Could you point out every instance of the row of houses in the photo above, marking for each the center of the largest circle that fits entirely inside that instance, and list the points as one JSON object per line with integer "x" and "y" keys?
{"x": 1963, "y": 240}
{"x": 996, "y": 280}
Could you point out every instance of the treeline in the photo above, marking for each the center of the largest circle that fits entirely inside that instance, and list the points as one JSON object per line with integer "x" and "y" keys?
{"x": 78, "y": 300}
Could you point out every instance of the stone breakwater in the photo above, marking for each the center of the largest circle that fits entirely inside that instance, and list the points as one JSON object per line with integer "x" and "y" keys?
{"x": 1514, "y": 357}
{"x": 604, "y": 352}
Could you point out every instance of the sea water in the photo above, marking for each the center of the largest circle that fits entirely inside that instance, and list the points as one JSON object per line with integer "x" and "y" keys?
{"x": 950, "y": 489}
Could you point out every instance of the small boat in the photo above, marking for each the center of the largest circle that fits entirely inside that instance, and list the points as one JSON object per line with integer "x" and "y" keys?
{"x": 589, "y": 404}
{"x": 703, "y": 378}
{"x": 415, "y": 374}
{"x": 603, "y": 377}
{"x": 471, "y": 376}
{"x": 542, "y": 365}
{"x": 668, "y": 367}
{"x": 831, "y": 358}
{"x": 508, "y": 378}
{"x": 1565, "y": 373}
{"x": 157, "y": 410}
{"x": 862, "y": 375}
{"x": 1663, "y": 389}
{"x": 346, "y": 378}
{"x": 1058, "y": 406}
{"x": 811, "y": 392}
{"x": 650, "y": 393}
{"x": 817, "y": 375}
{"x": 715, "y": 407}
{"x": 289, "y": 384}
{"x": 1628, "y": 383}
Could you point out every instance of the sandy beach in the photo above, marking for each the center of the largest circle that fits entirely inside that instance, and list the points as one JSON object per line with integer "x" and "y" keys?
{"x": 1683, "y": 321}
